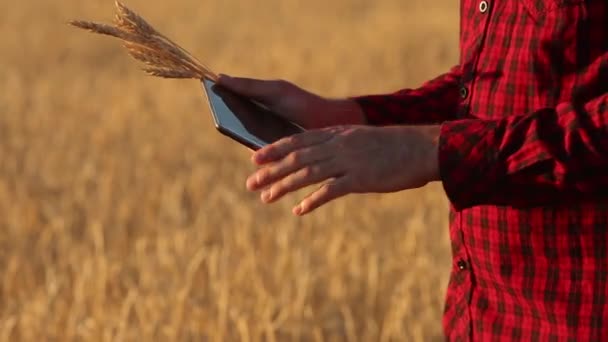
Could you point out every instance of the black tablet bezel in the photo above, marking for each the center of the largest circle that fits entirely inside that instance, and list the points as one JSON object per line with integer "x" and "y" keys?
{"x": 254, "y": 144}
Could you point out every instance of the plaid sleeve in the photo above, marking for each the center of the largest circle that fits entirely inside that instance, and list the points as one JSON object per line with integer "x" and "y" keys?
{"x": 552, "y": 154}
{"x": 436, "y": 101}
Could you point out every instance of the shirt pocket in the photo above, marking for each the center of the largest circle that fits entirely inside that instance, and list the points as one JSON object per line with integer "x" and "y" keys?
{"x": 540, "y": 9}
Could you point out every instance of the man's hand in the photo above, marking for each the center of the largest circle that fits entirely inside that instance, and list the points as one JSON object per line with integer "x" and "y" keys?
{"x": 348, "y": 159}
{"x": 297, "y": 105}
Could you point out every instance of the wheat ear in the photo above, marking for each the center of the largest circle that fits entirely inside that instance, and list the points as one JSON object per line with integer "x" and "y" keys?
{"x": 163, "y": 57}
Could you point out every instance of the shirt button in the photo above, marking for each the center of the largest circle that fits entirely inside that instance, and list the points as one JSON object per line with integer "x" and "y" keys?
{"x": 464, "y": 92}
{"x": 462, "y": 265}
{"x": 483, "y": 6}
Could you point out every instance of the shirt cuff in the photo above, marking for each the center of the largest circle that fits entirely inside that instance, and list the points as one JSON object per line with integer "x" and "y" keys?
{"x": 370, "y": 105}
{"x": 468, "y": 161}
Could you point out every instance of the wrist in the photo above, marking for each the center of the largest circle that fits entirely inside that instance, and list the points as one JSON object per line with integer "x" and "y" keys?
{"x": 342, "y": 112}
{"x": 431, "y": 151}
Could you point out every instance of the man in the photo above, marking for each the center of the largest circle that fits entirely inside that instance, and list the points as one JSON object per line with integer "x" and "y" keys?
{"x": 517, "y": 133}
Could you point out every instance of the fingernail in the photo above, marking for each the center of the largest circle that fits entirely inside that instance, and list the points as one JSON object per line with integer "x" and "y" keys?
{"x": 297, "y": 210}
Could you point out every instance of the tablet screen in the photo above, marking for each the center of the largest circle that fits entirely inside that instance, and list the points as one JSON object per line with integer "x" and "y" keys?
{"x": 245, "y": 120}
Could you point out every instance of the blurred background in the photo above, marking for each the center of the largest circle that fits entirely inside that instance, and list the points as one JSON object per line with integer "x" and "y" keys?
{"x": 124, "y": 215}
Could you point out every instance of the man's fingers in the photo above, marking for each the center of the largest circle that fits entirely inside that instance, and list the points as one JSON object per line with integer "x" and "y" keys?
{"x": 327, "y": 192}
{"x": 285, "y": 146}
{"x": 294, "y": 161}
{"x": 308, "y": 175}
{"x": 262, "y": 90}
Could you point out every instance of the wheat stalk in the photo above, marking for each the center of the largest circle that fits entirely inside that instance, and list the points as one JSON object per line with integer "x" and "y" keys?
{"x": 162, "y": 56}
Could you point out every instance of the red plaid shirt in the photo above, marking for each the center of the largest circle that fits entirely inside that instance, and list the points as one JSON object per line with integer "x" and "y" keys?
{"x": 524, "y": 161}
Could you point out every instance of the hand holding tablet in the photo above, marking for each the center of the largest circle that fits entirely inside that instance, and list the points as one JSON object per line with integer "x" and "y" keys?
{"x": 259, "y": 112}
{"x": 245, "y": 120}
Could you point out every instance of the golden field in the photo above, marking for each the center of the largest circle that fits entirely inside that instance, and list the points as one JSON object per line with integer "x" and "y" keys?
{"x": 124, "y": 215}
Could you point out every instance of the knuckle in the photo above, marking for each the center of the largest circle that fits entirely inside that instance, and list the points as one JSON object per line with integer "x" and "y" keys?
{"x": 294, "y": 158}
{"x": 327, "y": 189}
{"x": 297, "y": 139}
{"x": 332, "y": 189}
{"x": 289, "y": 141}
{"x": 281, "y": 86}
{"x": 262, "y": 176}
{"x": 277, "y": 190}
{"x": 268, "y": 150}
{"x": 317, "y": 169}
{"x": 293, "y": 140}
{"x": 284, "y": 185}
{"x": 309, "y": 171}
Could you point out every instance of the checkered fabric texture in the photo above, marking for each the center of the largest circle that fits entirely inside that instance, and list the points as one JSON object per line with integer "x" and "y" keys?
{"x": 524, "y": 161}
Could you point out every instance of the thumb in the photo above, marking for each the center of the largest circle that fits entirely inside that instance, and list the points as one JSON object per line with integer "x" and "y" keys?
{"x": 265, "y": 91}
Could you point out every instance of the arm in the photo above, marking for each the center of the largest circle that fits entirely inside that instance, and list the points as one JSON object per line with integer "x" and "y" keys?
{"x": 436, "y": 101}
{"x": 554, "y": 154}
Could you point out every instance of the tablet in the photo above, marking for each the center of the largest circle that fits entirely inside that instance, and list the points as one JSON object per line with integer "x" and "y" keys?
{"x": 244, "y": 120}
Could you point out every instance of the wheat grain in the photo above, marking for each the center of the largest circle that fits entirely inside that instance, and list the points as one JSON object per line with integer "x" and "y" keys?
{"x": 167, "y": 53}
{"x": 167, "y": 73}
{"x": 152, "y": 58}
{"x": 99, "y": 28}
{"x": 130, "y": 21}
{"x": 145, "y": 44}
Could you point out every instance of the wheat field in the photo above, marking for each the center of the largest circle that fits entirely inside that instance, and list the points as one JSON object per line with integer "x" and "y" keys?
{"x": 124, "y": 215}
